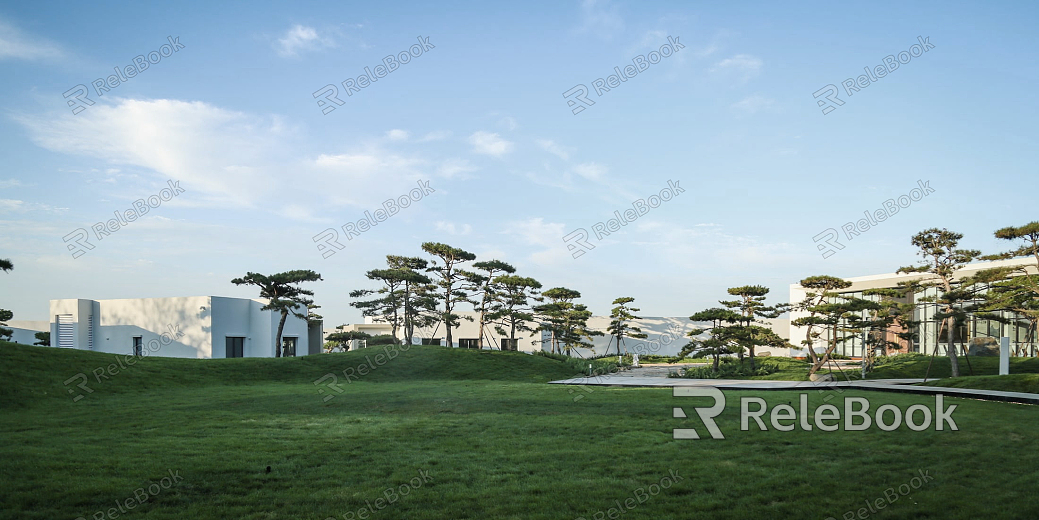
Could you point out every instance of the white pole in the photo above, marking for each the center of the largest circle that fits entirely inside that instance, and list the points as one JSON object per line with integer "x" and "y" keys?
{"x": 1004, "y": 356}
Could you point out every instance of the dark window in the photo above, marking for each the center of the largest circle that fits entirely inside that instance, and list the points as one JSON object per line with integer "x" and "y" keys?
{"x": 431, "y": 341}
{"x": 137, "y": 345}
{"x": 288, "y": 347}
{"x": 509, "y": 344}
{"x": 468, "y": 343}
{"x": 235, "y": 347}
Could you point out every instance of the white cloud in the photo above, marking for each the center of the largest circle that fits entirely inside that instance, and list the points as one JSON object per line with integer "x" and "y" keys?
{"x": 20, "y": 206}
{"x": 455, "y": 168}
{"x": 489, "y": 144}
{"x": 225, "y": 158}
{"x": 18, "y": 45}
{"x": 212, "y": 150}
{"x": 397, "y": 135}
{"x": 590, "y": 171}
{"x": 451, "y": 229}
{"x": 536, "y": 232}
{"x": 553, "y": 148}
{"x": 709, "y": 246}
{"x": 301, "y": 38}
{"x": 743, "y": 66}
{"x": 11, "y": 183}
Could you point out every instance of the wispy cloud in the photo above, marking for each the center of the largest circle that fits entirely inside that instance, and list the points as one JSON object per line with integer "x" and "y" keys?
{"x": 226, "y": 158}
{"x": 15, "y": 44}
{"x": 20, "y": 206}
{"x": 538, "y": 233}
{"x": 741, "y": 66}
{"x": 489, "y": 144}
{"x": 553, "y": 148}
{"x": 11, "y": 183}
{"x": 397, "y": 135}
{"x": 451, "y": 229}
{"x": 590, "y": 171}
{"x": 455, "y": 168}
{"x": 300, "y": 38}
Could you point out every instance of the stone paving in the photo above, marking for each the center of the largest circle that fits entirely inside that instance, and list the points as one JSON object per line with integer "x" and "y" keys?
{"x": 656, "y": 376}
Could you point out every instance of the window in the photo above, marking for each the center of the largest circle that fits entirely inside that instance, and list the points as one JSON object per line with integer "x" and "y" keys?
{"x": 509, "y": 344}
{"x": 431, "y": 341}
{"x": 90, "y": 332}
{"x": 288, "y": 347}
{"x": 66, "y": 330}
{"x": 137, "y": 346}
{"x": 235, "y": 347}
{"x": 468, "y": 343}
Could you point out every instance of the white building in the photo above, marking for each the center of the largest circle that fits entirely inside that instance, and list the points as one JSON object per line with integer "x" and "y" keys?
{"x": 24, "y": 331}
{"x": 665, "y": 336}
{"x": 201, "y": 327}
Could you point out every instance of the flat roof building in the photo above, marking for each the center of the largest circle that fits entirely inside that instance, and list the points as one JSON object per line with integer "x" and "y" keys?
{"x": 202, "y": 327}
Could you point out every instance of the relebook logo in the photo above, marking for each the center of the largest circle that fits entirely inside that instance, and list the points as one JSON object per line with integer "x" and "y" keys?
{"x": 827, "y": 417}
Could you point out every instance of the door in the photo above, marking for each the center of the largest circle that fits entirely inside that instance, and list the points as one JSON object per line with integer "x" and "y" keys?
{"x": 235, "y": 346}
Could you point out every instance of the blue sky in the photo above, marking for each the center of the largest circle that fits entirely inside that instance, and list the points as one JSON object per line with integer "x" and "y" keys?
{"x": 482, "y": 118}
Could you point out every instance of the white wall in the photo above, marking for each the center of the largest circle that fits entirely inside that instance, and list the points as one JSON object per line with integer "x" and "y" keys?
{"x": 24, "y": 331}
{"x": 231, "y": 317}
{"x": 169, "y": 327}
{"x": 189, "y": 327}
{"x": 83, "y": 312}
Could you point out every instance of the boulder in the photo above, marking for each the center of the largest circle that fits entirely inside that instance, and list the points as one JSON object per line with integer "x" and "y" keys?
{"x": 987, "y": 347}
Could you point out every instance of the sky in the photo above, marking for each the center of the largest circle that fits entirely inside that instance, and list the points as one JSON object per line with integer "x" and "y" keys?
{"x": 227, "y": 113}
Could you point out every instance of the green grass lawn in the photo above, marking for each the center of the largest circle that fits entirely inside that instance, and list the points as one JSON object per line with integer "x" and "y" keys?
{"x": 1024, "y": 372}
{"x": 495, "y": 441}
{"x": 1009, "y": 383}
{"x": 915, "y": 365}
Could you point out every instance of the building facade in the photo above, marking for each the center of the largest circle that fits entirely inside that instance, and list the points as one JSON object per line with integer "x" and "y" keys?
{"x": 200, "y": 327}
{"x": 931, "y": 333}
{"x": 666, "y": 336}
{"x": 24, "y": 331}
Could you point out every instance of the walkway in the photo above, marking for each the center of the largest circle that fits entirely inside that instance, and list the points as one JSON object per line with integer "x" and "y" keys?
{"x": 656, "y": 376}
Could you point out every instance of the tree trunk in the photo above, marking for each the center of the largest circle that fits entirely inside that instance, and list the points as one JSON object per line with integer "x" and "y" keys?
{"x": 483, "y": 316}
{"x": 819, "y": 361}
{"x": 512, "y": 336}
{"x": 409, "y": 328}
{"x": 751, "y": 348}
{"x": 450, "y": 338}
{"x": 281, "y": 328}
{"x": 717, "y": 359}
{"x": 954, "y": 361}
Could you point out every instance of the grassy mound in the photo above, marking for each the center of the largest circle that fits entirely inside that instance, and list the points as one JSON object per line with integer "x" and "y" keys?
{"x": 33, "y": 373}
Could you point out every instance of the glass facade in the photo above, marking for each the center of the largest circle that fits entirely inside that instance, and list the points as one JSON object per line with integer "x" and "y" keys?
{"x": 931, "y": 333}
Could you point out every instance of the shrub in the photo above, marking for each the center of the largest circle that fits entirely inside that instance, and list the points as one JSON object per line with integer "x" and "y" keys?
{"x": 600, "y": 365}
{"x": 729, "y": 370}
{"x": 381, "y": 339}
